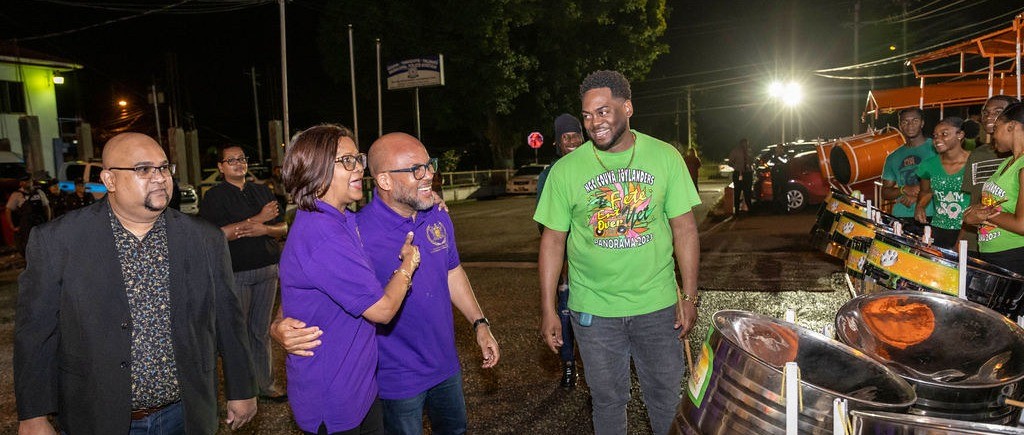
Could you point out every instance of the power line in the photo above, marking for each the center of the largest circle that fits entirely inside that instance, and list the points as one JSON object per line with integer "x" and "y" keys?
{"x": 92, "y": 26}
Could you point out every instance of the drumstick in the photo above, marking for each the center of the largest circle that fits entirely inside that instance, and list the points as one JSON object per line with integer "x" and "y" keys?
{"x": 689, "y": 358}
{"x": 962, "y": 269}
{"x": 1012, "y": 402}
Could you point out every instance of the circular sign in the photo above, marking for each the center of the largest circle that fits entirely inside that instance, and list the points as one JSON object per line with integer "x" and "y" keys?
{"x": 535, "y": 140}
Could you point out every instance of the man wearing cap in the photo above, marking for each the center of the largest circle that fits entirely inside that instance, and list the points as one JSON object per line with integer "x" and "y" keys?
{"x": 568, "y": 136}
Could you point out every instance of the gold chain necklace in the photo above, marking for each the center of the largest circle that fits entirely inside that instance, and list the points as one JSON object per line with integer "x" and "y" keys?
{"x": 632, "y": 154}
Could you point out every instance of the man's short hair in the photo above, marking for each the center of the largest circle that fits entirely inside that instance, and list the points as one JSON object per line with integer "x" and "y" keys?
{"x": 1008, "y": 99}
{"x": 221, "y": 149}
{"x": 909, "y": 110}
{"x": 607, "y": 79}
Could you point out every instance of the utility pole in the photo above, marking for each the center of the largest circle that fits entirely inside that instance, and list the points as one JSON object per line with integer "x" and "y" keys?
{"x": 856, "y": 60}
{"x": 284, "y": 73}
{"x": 352, "y": 71}
{"x": 380, "y": 102}
{"x": 256, "y": 107}
{"x": 156, "y": 114}
{"x": 689, "y": 117}
{"x": 903, "y": 3}
{"x": 678, "y": 102}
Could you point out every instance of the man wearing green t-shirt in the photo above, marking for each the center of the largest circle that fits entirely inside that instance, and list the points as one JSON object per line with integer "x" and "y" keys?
{"x": 899, "y": 178}
{"x": 621, "y": 206}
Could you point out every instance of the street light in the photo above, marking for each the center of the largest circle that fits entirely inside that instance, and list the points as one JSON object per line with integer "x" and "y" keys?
{"x": 789, "y": 95}
{"x": 122, "y": 104}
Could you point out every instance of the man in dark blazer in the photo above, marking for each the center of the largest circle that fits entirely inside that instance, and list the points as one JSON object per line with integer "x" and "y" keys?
{"x": 123, "y": 308}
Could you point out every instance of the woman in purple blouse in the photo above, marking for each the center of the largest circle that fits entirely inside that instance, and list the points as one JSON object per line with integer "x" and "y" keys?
{"x": 328, "y": 280}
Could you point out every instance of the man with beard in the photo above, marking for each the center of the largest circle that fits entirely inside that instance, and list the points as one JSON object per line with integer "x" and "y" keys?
{"x": 568, "y": 136}
{"x": 899, "y": 178}
{"x": 248, "y": 215}
{"x": 123, "y": 309}
{"x": 622, "y": 204}
{"x": 418, "y": 365}
{"x": 983, "y": 162}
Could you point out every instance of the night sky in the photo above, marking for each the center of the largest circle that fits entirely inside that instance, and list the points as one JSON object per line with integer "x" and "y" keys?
{"x": 727, "y": 51}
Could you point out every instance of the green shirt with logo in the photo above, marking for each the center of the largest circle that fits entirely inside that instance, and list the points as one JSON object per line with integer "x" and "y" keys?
{"x": 948, "y": 200}
{"x": 616, "y": 209}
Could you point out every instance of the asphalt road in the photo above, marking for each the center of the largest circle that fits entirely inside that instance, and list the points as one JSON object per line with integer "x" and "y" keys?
{"x": 759, "y": 263}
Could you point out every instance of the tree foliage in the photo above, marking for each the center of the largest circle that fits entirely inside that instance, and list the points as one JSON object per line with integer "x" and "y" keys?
{"x": 511, "y": 65}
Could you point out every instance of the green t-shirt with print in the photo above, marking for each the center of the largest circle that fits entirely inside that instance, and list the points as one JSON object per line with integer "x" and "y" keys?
{"x": 901, "y": 166}
{"x": 616, "y": 208}
{"x": 1004, "y": 184}
{"x": 947, "y": 198}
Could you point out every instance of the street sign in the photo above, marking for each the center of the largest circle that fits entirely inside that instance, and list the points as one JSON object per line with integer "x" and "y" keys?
{"x": 535, "y": 140}
{"x": 416, "y": 73}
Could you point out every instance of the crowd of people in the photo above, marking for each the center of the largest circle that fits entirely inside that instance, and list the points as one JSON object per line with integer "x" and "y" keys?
{"x": 126, "y": 305}
{"x": 960, "y": 192}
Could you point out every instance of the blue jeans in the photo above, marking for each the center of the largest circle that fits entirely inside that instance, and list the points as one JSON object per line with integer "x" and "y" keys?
{"x": 445, "y": 405}
{"x": 651, "y": 341}
{"x": 256, "y": 290}
{"x": 567, "y": 351}
{"x": 169, "y": 421}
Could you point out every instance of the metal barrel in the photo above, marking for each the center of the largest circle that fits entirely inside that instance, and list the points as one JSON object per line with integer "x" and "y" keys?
{"x": 872, "y": 423}
{"x": 737, "y": 384}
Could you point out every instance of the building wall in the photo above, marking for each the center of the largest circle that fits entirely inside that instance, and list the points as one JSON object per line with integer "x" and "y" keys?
{"x": 40, "y": 101}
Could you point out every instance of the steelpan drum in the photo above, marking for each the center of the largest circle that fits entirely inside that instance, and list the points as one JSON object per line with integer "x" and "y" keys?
{"x": 873, "y": 423}
{"x": 901, "y": 263}
{"x": 736, "y": 387}
{"x": 852, "y": 225}
{"x": 961, "y": 357}
{"x": 835, "y": 203}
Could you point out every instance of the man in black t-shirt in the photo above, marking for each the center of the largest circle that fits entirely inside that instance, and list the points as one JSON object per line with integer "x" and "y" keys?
{"x": 249, "y": 216}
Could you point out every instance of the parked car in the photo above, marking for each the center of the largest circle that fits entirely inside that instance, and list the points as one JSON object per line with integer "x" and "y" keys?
{"x": 189, "y": 199}
{"x": 802, "y": 186}
{"x": 88, "y": 172}
{"x": 525, "y": 179}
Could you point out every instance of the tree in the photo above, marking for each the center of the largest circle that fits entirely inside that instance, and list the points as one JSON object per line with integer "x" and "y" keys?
{"x": 511, "y": 65}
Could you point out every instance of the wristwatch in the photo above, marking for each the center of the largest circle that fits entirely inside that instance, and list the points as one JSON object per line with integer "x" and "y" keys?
{"x": 695, "y": 300}
{"x": 481, "y": 321}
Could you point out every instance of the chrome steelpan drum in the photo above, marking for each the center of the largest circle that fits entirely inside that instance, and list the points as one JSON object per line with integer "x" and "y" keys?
{"x": 901, "y": 263}
{"x": 962, "y": 358}
{"x": 835, "y": 203}
{"x": 736, "y": 387}
{"x": 873, "y": 423}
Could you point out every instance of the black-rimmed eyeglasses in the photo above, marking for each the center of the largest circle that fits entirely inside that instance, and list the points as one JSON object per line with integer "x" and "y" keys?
{"x": 349, "y": 161}
{"x": 146, "y": 172}
{"x": 236, "y": 160}
{"x": 419, "y": 171}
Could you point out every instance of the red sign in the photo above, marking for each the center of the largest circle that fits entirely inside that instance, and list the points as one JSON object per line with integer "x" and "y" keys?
{"x": 535, "y": 140}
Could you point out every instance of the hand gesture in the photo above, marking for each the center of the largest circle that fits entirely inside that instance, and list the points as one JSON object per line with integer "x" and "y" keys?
{"x": 488, "y": 346}
{"x": 410, "y": 253}
{"x": 269, "y": 211}
{"x": 295, "y": 337}
{"x": 977, "y": 213}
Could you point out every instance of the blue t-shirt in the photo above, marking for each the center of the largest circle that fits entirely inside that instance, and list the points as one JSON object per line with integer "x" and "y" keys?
{"x": 417, "y": 349}
{"x": 901, "y": 168}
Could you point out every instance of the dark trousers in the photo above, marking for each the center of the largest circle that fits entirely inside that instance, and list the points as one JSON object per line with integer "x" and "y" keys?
{"x": 373, "y": 423}
{"x": 742, "y": 183}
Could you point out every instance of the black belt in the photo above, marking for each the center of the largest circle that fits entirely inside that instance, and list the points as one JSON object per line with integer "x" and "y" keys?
{"x": 139, "y": 414}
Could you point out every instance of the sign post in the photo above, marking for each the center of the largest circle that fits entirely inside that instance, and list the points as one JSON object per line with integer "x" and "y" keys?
{"x": 535, "y": 140}
{"x": 416, "y": 73}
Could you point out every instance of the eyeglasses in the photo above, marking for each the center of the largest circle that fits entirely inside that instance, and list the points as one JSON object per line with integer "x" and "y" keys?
{"x": 420, "y": 171}
{"x": 236, "y": 160}
{"x": 349, "y": 161}
{"x": 147, "y": 172}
